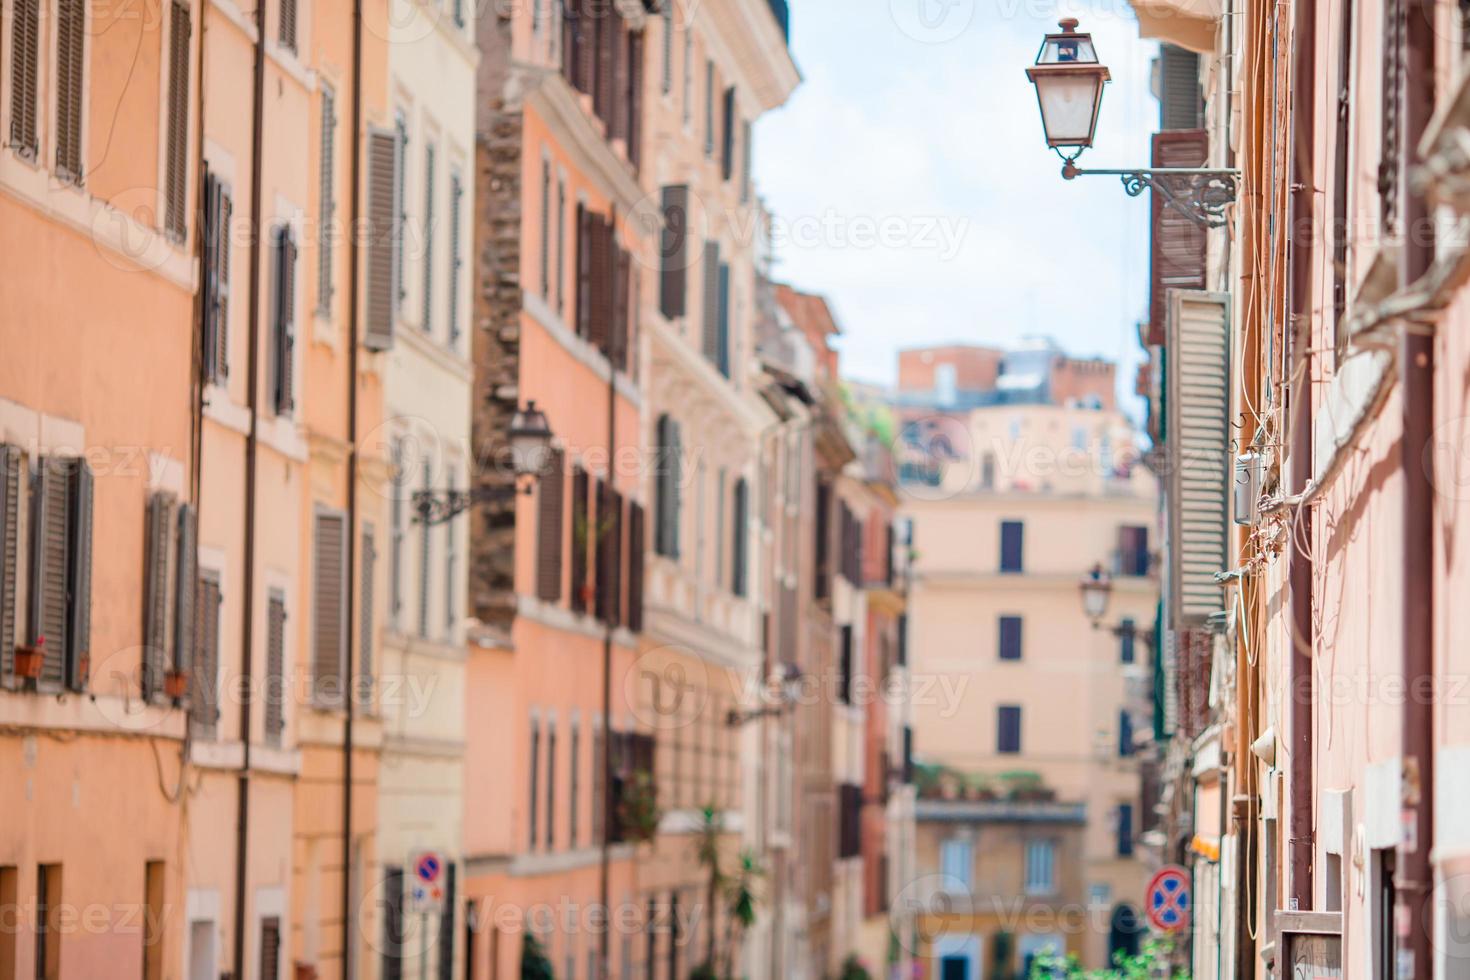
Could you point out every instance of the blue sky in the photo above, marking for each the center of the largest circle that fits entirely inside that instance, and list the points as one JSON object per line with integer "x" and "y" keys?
{"x": 911, "y": 184}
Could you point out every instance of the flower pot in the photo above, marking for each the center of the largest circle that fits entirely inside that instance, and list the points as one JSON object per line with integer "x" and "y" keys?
{"x": 589, "y": 595}
{"x": 176, "y": 683}
{"x": 28, "y": 661}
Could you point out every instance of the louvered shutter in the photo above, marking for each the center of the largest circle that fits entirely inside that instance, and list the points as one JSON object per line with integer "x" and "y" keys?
{"x": 186, "y": 585}
{"x": 382, "y": 238}
{"x": 711, "y": 335}
{"x": 604, "y": 96}
{"x": 160, "y": 526}
{"x": 740, "y": 536}
{"x": 585, "y": 233}
{"x": 366, "y": 627}
{"x": 284, "y": 329}
{"x": 549, "y": 536}
{"x": 746, "y": 156}
{"x": 1391, "y": 125}
{"x": 71, "y": 22}
{"x": 288, "y": 25}
{"x": 610, "y": 556}
{"x": 727, "y": 135}
{"x": 635, "y": 97}
{"x": 617, "y": 101}
{"x": 204, "y": 693}
{"x": 1181, "y": 101}
{"x": 25, "y": 35}
{"x": 49, "y": 621}
{"x": 176, "y": 168}
{"x": 329, "y": 555}
{"x": 426, "y": 547}
{"x": 270, "y": 948}
{"x": 215, "y": 328}
{"x": 600, "y": 257}
{"x": 1177, "y": 251}
{"x": 587, "y": 55}
{"x": 456, "y": 254}
{"x": 581, "y": 530}
{"x": 12, "y": 469}
{"x": 666, "y": 501}
{"x": 722, "y": 321}
{"x": 674, "y": 251}
{"x": 569, "y": 43}
{"x": 621, "y": 309}
{"x": 1200, "y": 468}
{"x": 275, "y": 668}
{"x": 637, "y": 543}
{"x": 427, "y": 323}
{"x": 326, "y": 199}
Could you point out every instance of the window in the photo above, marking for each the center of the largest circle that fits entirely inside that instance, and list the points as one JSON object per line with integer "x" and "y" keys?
{"x": 153, "y": 919}
{"x": 384, "y": 237}
{"x": 366, "y": 625}
{"x": 218, "y": 208}
{"x": 1008, "y": 729}
{"x": 1012, "y": 537}
{"x": 396, "y": 531}
{"x": 326, "y": 205}
{"x": 400, "y": 206}
{"x": 1127, "y": 638}
{"x": 957, "y": 862}
{"x": 727, "y": 135}
{"x": 176, "y": 149}
{"x": 428, "y": 315}
{"x": 283, "y": 326}
{"x": 667, "y": 83}
{"x": 60, "y": 564}
{"x": 739, "y": 533}
{"x": 574, "y": 774}
{"x": 535, "y": 780}
{"x": 1133, "y": 558}
{"x": 667, "y": 488}
{"x": 1010, "y": 637}
{"x": 49, "y": 912}
{"x": 1040, "y": 867}
{"x": 582, "y": 517}
{"x": 674, "y": 251}
{"x": 551, "y": 784}
{"x": 844, "y": 667}
{"x": 1381, "y": 914}
{"x": 546, "y": 229}
{"x": 275, "y": 667}
{"x": 456, "y": 254}
{"x": 746, "y": 134}
{"x": 1125, "y": 830}
{"x": 25, "y": 39}
{"x": 551, "y": 491}
{"x": 10, "y": 899}
{"x": 329, "y": 607}
{"x": 1125, "y": 734}
{"x": 709, "y": 108}
{"x": 637, "y": 543}
{"x": 288, "y": 25}
{"x": 720, "y": 525}
{"x": 451, "y": 569}
{"x": 426, "y": 546}
{"x": 71, "y": 27}
{"x": 561, "y": 247}
{"x": 169, "y": 582}
{"x": 394, "y": 924}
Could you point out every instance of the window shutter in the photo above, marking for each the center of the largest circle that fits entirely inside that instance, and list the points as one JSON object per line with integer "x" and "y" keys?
{"x": 215, "y": 329}
{"x": 570, "y": 49}
{"x": 740, "y": 536}
{"x": 587, "y": 53}
{"x": 1177, "y": 251}
{"x": 637, "y": 542}
{"x": 326, "y": 203}
{"x": 288, "y": 24}
{"x": 549, "y": 537}
{"x": 581, "y": 528}
{"x": 176, "y": 167}
{"x": 382, "y": 238}
{"x": 618, "y": 98}
{"x": 160, "y": 526}
{"x": 394, "y": 926}
{"x": 585, "y": 233}
{"x": 366, "y": 632}
{"x": 722, "y": 321}
{"x": 186, "y": 586}
{"x": 275, "y": 668}
{"x": 456, "y": 254}
{"x": 666, "y": 501}
{"x": 270, "y": 948}
{"x": 746, "y": 159}
{"x": 601, "y": 529}
{"x": 12, "y": 468}
{"x": 49, "y": 618}
{"x": 600, "y": 258}
{"x": 427, "y": 323}
{"x": 447, "y": 920}
{"x": 1200, "y": 466}
{"x": 622, "y": 309}
{"x": 1010, "y": 637}
{"x": 1012, "y": 546}
{"x": 1391, "y": 127}
{"x": 285, "y": 326}
{"x": 610, "y": 555}
{"x": 204, "y": 680}
{"x": 604, "y": 97}
{"x": 71, "y": 24}
{"x": 329, "y": 555}
{"x": 25, "y": 34}
{"x": 844, "y": 666}
{"x": 635, "y": 97}
{"x": 711, "y": 287}
{"x": 674, "y": 251}
{"x": 727, "y": 135}
{"x": 1181, "y": 102}
{"x": 426, "y": 548}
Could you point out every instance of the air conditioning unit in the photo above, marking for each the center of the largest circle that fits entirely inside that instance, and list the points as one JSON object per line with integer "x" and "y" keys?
{"x": 1249, "y": 469}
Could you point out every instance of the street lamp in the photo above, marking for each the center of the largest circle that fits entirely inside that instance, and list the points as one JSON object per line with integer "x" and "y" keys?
{"x": 787, "y": 679}
{"x": 1097, "y": 589}
{"x": 530, "y": 448}
{"x": 1069, "y": 82}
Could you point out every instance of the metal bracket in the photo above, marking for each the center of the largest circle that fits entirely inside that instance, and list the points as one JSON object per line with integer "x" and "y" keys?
{"x": 1200, "y": 195}
{"x": 442, "y": 506}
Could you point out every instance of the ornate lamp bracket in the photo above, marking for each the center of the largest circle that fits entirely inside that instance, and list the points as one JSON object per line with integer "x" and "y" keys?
{"x": 1201, "y": 195}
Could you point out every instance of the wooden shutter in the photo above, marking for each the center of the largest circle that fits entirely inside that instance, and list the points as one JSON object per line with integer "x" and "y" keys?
{"x": 1177, "y": 251}
{"x": 823, "y": 545}
{"x": 667, "y": 489}
{"x": 275, "y": 668}
{"x": 604, "y": 96}
{"x": 635, "y": 97}
{"x": 610, "y": 555}
{"x": 581, "y": 528}
{"x": 288, "y": 25}
{"x": 674, "y": 251}
{"x": 456, "y": 253}
{"x": 570, "y": 51}
{"x": 284, "y": 328}
{"x": 176, "y": 166}
{"x": 393, "y": 924}
{"x": 844, "y": 665}
{"x": 637, "y": 543}
{"x": 711, "y": 334}
{"x": 601, "y": 260}
{"x": 49, "y": 621}
{"x": 71, "y": 22}
{"x": 204, "y": 680}
{"x": 618, "y": 100}
{"x": 1391, "y": 127}
{"x": 621, "y": 308}
{"x": 366, "y": 628}
{"x": 1200, "y": 474}
{"x": 550, "y": 538}
{"x": 329, "y": 556}
{"x": 746, "y": 157}
{"x": 740, "y": 537}
{"x": 447, "y": 919}
{"x": 1181, "y": 102}
{"x": 12, "y": 469}
{"x": 587, "y": 54}
{"x": 270, "y": 948}
{"x": 186, "y": 585}
{"x": 427, "y": 323}
{"x": 585, "y": 233}
{"x": 326, "y": 199}
{"x": 722, "y": 321}
{"x": 218, "y": 208}
{"x": 727, "y": 135}
{"x": 382, "y": 238}
{"x": 159, "y": 551}
{"x": 25, "y": 35}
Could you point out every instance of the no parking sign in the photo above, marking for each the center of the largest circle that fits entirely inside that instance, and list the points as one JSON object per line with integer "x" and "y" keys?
{"x": 426, "y": 881}
{"x": 1166, "y": 902}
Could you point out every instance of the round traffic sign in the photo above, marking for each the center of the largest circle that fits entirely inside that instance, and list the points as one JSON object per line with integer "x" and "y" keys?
{"x": 1166, "y": 901}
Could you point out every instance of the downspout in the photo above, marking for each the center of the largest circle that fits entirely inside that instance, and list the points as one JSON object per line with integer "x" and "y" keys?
{"x": 605, "y": 858}
{"x": 252, "y": 400}
{"x": 1299, "y": 831}
{"x": 196, "y": 335}
{"x": 354, "y": 272}
{"x": 1413, "y": 872}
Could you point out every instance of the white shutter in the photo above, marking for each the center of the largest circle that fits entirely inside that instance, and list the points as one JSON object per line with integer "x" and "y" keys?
{"x": 1199, "y": 475}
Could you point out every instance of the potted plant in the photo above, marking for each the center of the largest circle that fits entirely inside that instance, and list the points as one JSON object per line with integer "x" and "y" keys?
{"x": 638, "y": 814}
{"x": 176, "y": 684}
{"x": 28, "y": 659}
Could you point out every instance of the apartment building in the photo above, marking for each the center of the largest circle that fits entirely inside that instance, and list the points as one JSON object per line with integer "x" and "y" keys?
{"x": 1009, "y": 507}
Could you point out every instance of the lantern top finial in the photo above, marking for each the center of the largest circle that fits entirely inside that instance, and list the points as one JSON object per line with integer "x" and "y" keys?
{"x": 1069, "y": 24}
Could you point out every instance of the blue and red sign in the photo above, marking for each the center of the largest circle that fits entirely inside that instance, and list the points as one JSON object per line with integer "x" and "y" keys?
{"x": 1166, "y": 902}
{"x": 426, "y": 888}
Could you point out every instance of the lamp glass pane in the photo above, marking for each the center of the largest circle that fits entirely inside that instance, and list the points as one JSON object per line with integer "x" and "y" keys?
{"x": 1068, "y": 107}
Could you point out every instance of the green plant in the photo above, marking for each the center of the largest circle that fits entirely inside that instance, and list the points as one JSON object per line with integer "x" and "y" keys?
{"x": 707, "y": 852}
{"x": 638, "y": 813}
{"x": 534, "y": 964}
{"x": 1155, "y": 961}
{"x": 854, "y": 969}
{"x": 741, "y": 900}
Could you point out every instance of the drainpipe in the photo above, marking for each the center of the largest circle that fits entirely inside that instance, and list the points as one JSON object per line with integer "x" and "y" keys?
{"x": 604, "y": 877}
{"x": 247, "y": 582}
{"x": 1299, "y": 830}
{"x": 354, "y": 272}
{"x": 1413, "y": 871}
